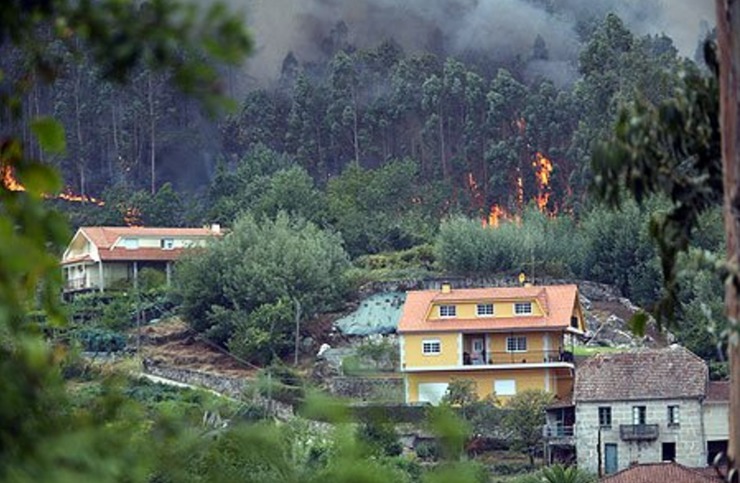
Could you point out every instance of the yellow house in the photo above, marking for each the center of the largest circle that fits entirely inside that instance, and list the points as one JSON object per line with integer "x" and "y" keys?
{"x": 506, "y": 339}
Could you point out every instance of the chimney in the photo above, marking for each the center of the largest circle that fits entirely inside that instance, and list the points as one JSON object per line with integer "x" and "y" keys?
{"x": 215, "y": 228}
{"x": 446, "y": 287}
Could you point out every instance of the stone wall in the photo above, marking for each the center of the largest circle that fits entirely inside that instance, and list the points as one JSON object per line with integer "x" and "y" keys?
{"x": 380, "y": 388}
{"x": 688, "y": 437}
{"x": 233, "y": 387}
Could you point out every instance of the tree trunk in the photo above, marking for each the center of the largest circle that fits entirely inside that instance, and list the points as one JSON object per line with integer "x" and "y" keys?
{"x": 152, "y": 145}
{"x": 728, "y": 40}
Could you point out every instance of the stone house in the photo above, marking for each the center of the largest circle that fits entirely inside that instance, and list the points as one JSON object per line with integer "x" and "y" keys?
{"x": 645, "y": 406}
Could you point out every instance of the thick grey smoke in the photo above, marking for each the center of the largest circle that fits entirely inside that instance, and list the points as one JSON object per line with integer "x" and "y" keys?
{"x": 500, "y": 29}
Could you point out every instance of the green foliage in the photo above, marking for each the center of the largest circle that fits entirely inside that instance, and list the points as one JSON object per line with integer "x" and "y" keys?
{"x": 525, "y": 416}
{"x": 536, "y": 244}
{"x": 261, "y": 262}
{"x": 380, "y": 436}
{"x": 265, "y": 333}
{"x": 671, "y": 147}
{"x": 100, "y": 340}
{"x": 559, "y": 474}
{"x": 380, "y": 352}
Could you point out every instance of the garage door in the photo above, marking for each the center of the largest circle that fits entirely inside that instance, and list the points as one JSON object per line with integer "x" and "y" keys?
{"x": 432, "y": 392}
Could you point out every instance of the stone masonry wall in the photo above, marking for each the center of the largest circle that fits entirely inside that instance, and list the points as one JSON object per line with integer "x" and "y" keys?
{"x": 228, "y": 386}
{"x": 367, "y": 388}
{"x": 689, "y": 436}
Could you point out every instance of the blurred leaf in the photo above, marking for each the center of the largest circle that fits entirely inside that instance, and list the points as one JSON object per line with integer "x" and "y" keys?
{"x": 50, "y": 134}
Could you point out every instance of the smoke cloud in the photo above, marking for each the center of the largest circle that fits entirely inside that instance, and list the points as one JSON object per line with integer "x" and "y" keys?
{"x": 498, "y": 29}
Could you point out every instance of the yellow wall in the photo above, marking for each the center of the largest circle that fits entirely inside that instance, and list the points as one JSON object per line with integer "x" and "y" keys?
{"x": 467, "y": 310}
{"x": 496, "y": 348}
{"x": 525, "y": 379}
{"x": 413, "y": 356}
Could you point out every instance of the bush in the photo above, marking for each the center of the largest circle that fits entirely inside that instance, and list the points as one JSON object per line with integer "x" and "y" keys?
{"x": 428, "y": 450}
{"x": 381, "y": 437}
{"x": 99, "y": 340}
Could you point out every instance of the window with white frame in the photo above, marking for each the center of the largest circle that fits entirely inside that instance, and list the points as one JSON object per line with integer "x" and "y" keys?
{"x": 673, "y": 416}
{"x": 447, "y": 311}
{"x": 431, "y": 347}
{"x": 516, "y": 344}
{"x": 605, "y": 417}
{"x": 523, "y": 308}
{"x": 484, "y": 309}
{"x": 167, "y": 243}
{"x": 504, "y": 387}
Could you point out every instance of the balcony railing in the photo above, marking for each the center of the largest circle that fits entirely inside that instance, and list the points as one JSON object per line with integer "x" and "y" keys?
{"x": 528, "y": 357}
{"x": 74, "y": 284}
{"x": 638, "y": 432}
{"x": 557, "y": 432}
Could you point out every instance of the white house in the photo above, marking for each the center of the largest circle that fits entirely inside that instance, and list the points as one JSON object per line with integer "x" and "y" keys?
{"x": 100, "y": 256}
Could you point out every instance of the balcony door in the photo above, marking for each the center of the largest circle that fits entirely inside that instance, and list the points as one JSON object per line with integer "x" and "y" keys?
{"x": 478, "y": 350}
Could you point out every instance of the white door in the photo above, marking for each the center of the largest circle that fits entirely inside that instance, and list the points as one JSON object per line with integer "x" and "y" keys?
{"x": 432, "y": 392}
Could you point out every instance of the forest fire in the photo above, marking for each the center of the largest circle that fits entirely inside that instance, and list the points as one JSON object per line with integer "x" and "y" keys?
{"x": 12, "y": 184}
{"x": 543, "y": 168}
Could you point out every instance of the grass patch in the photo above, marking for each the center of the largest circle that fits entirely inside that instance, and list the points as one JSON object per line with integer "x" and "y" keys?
{"x": 584, "y": 351}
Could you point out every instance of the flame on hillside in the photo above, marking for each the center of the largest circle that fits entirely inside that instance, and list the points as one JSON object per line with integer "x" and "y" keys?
{"x": 132, "y": 217}
{"x": 10, "y": 183}
{"x": 543, "y": 170}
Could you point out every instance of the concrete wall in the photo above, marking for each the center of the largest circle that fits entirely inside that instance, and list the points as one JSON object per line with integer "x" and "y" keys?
{"x": 716, "y": 417}
{"x": 688, "y": 437}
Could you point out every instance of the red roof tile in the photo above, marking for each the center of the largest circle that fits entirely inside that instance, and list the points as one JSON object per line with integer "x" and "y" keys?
{"x": 105, "y": 236}
{"x": 669, "y": 373}
{"x": 718, "y": 391}
{"x": 656, "y": 472}
{"x": 557, "y": 301}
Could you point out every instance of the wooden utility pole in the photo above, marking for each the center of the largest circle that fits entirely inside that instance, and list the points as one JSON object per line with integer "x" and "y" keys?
{"x": 728, "y": 42}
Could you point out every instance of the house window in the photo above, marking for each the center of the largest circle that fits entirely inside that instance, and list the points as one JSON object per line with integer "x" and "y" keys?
{"x": 432, "y": 347}
{"x": 516, "y": 344}
{"x": 639, "y": 415}
{"x": 523, "y": 308}
{"x": 167, "y": 243}
{"x": 130, "y": 243}
{"x": 504, "y": 387}
{"x": 574, "y": 322}
{"x": 484, "y": 309}
{"x": 605, "y": 417}
{"x": 447, "y": 311}
{"x": 673, "y": 416}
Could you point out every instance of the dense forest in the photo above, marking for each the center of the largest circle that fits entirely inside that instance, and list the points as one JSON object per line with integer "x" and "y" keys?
{"x": 468, "y": 164}
{"x": 362, "y": 162}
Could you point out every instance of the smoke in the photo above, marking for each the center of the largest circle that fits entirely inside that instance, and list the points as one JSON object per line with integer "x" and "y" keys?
{"x": 498, "y": 29}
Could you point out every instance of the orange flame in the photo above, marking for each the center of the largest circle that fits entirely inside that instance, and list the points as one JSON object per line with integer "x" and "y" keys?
{"x": 543, "y": 169}
{"x": 495, "y": 216}
{"x": 132, "y": 216}
{"x": 12, "y": 184}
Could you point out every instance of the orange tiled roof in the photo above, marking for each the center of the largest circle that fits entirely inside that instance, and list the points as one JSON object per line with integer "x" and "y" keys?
{"x": 557, "y": 302}
{"x": 652, "y": 472}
